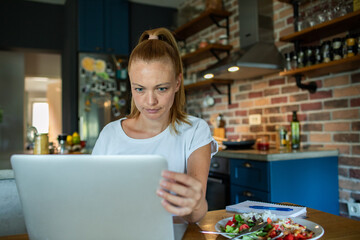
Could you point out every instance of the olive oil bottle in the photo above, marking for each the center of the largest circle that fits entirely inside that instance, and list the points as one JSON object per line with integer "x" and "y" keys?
{"x": 295, "y": 132}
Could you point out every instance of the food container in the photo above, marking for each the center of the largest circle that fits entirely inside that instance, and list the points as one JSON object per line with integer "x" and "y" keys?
{"x": 41, "y": 144}
{"x": 263, "y": 143}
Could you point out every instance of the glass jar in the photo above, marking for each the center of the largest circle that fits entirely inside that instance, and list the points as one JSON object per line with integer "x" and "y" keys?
{"x": 301, "y": 58}
{"x": 317, "y": 53}
{"x": 41, "y": 144}
{"x": 288, "y": 65}
{"x": 336, "y": 48}
{"x": 281, "y": 137}
{"x": 351, "y": 46}
{"x": 294, "y": 61}
{"x": 325, "y": 51}
{"x": 62, "y": 149}
{"x": 309, "y": 56}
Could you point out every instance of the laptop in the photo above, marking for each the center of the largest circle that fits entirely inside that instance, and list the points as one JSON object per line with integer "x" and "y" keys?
{"x": 93, "y": 197}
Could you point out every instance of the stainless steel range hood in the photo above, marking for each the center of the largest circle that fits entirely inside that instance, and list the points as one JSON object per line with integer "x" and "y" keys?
{"x": 258, "y": 54}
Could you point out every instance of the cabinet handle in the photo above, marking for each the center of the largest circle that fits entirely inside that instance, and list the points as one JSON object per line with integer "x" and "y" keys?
{"x": 247, "y": 165}
{"x": 247, "y": 194}
{"x": 215, "y": 165}
{"x": 215, "y": 180}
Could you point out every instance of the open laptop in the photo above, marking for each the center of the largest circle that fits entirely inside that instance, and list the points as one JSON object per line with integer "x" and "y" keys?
{"x": 93, "y": 197}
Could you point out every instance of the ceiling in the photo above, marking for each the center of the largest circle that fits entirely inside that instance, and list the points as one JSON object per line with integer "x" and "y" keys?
{"x": 162, "y": 3}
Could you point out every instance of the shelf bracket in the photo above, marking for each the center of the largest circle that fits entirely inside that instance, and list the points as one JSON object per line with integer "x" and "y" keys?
{"x": 311, "y": 86}
{"x": 216, "y": 55}
{"x": 213, "y": 18}
{"x": 219, "y": 92}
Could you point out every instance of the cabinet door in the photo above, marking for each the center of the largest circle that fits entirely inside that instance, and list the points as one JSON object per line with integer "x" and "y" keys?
{"x": 248, "y": 173}
{"x": 116, "y": 27}
{"x": 240, "y": 194}
{"x": 91, "y": 25}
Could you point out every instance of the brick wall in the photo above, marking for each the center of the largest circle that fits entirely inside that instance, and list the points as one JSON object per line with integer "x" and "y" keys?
{"x": 329, "y": 118}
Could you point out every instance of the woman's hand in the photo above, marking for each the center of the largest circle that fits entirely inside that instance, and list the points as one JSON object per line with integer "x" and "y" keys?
{"x": 181, "y": 193}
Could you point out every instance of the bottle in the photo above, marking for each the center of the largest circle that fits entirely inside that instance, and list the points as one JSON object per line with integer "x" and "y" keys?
{"x": 62, "y": 144}
{"x": 281, "y": 138}
{"x": 295, "y": 132}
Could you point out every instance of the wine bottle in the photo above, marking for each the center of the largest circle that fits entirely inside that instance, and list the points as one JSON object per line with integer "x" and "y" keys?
{"x": 295, "y": 132}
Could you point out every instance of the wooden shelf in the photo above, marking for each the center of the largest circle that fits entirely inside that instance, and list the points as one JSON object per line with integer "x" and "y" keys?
{"x": 207, "y": 18}
{"x": 210, "y": 50}
{"x": 326, "y": 29}
{"x": 342, "y": 65}
{"x": 213, "y": 83}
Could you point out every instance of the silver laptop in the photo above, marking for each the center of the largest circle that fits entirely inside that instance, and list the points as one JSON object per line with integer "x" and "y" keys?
{"x": 93, "y": 197}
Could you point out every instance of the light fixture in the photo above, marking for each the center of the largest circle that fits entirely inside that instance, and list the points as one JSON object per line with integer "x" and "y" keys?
{"x": 208, "y": 76}
{"x": 233, "y": 69}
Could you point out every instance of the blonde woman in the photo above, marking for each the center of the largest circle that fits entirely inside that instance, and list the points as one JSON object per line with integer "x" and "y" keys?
{"x": 158, "y": 124}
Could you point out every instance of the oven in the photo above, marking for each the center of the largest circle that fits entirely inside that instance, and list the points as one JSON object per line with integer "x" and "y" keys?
{"x": 218, "y": 184}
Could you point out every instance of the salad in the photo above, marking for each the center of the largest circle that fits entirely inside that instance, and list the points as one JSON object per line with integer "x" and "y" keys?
{"x": 281, "y": 229}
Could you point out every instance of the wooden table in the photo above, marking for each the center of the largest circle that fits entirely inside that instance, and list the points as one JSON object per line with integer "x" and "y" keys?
{"x": 335, "y": 227}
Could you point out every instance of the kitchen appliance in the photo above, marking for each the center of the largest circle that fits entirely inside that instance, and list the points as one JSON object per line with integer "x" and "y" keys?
{"x": 104, "y": 93}
{"x": 218, "y": 184}
{"x": 258, "y": 54}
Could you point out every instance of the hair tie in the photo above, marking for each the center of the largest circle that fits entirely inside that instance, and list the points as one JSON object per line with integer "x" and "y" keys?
{"x": 151, "y": 36}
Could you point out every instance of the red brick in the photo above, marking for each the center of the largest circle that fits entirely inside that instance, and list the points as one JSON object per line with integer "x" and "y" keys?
{"x": 347, "y": 91}
{"x": 271, "y": 91}
{"x": 355, "y": 78}
{"x": 230, "y": 129}
{"x": 342, "y": 103}
{"x": 299, "y": 97}
{"x": 347, "y": 137}
{"x": 289, "y": 89}
{"x": 277, "y": 119}
{"x": 354, "y": 173}
{"x": 256, "y": 128}
{"x": 279, "y": 100}
{"x": 242, "y": 113}
{"x": 356, "y": 150}
{"x": 355, "y": 126}
{"x": 311, "y": 106}
{"x": 336, "y": 81}
{"x": 289, "y": 108}
{"x": 246, "y": 87}
{"x": 241, "y": 97}
{"x": 336, "y": 126}
{"x": 319, "y": 116}
{"x": 309, "y": 127}
{"x": 349, "y": 161}
{"x": 234, "y": 122}
{"x": 255, "y": 111}
{"x": 346, "y": 114}
{"x": 234, "y": 105}
{"x": 278, "y": 81}
{"x": 272, "y": 110}
{"x": 255, "y": 94}
{"x": 321, "y": 95}
{"x": 355, "y": 102}
{"x": 343, "y": 172}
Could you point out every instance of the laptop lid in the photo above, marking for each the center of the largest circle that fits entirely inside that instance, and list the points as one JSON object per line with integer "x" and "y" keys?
{"x": 92, "y": 197}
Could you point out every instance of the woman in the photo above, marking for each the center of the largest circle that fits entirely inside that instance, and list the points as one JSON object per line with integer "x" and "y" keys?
{"x": 157, "y": 124}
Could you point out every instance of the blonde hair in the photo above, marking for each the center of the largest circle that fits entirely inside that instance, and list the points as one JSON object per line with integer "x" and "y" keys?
{"x": 161, "y": 46}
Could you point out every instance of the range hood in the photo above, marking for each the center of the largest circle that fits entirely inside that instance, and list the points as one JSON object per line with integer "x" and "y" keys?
{"x": 258, "y": 54}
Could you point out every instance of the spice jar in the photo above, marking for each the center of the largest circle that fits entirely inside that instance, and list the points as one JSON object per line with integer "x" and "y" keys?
{"x": 325, "y": 51}
{"x": 223, "y": 39}
{"x": 317, "y": 53}
{"x": 336, "y": 48}
{"x": 203, "y": 43}
{"x": 288, "y": 65}
{"x": 309, "y": 56}
{"x": 351, "y": 46}
{"x": 294, "y": 62}
{"x": 301, "y": 58}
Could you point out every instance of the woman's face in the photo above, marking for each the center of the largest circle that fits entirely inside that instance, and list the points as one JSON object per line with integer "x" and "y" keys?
{"x": 153, "y": 87}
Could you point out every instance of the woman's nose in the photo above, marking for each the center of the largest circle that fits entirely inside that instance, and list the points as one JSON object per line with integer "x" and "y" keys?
{"x": 152, "y": 100}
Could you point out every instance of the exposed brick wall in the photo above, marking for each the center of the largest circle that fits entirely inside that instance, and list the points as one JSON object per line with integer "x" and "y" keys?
{"x": 329, "y": 118}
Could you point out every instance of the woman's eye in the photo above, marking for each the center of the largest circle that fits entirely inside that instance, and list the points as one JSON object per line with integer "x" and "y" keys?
{"x": 139, "y": 89}
{"x": 162, "y": 89}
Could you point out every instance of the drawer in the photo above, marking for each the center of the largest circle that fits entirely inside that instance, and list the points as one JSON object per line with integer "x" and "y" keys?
{"x": 240, "y": 194}
{"x": 252, "y": 174}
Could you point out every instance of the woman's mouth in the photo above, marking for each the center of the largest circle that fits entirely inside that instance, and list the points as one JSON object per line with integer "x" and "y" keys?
{"x": 152, "y": 111}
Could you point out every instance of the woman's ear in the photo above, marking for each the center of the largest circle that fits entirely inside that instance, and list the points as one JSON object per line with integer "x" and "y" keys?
{"x": 178, "y": 81}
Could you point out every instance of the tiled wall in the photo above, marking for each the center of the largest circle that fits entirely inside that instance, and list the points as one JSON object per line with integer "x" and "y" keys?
{"x": 329, "y": 118}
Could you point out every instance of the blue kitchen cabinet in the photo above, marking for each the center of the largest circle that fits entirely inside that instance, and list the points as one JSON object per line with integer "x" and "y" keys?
{"x": 104, "y": 26}
{"x": 311, "y": 182}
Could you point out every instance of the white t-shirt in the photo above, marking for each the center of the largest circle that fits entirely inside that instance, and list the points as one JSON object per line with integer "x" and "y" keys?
{"x": 176, "y": 148}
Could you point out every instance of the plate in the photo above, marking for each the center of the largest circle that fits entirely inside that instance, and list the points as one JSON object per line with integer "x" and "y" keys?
{"x": 316, "y": 228}
{"x": 238, "y": 144}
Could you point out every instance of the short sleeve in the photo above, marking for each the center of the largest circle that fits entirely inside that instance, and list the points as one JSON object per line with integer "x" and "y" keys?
{"x": 201, "y": 135}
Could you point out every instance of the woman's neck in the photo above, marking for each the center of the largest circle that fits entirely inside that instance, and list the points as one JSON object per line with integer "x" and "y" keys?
{"x": 141, "y": 128}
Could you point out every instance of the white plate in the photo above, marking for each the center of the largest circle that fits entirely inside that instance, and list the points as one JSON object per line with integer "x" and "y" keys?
{"x": 316, "y": 228}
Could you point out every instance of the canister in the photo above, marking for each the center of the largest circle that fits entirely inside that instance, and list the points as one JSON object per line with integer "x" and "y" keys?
{"x": 41, "y": 145}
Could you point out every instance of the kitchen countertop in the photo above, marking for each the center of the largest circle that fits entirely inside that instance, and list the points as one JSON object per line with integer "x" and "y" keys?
{"x": 277, "y": 155}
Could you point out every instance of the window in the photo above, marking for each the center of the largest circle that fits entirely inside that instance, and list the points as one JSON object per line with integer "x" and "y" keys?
{"x": 40, "y": 116}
